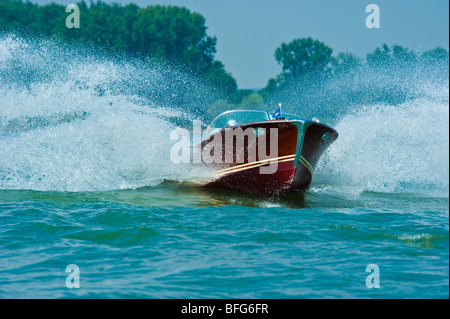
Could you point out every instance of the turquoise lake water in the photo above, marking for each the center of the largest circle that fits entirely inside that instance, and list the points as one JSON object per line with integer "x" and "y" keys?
{"x": 86, "y": 179}
{"x": 174, "y": 241}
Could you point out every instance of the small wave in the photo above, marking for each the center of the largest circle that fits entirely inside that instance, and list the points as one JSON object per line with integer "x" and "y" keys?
{"x": 413, "y": 237}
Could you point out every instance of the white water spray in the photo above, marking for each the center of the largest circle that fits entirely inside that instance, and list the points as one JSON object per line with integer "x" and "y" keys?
{"x": 67, "y": 125}
{"x": 392, "y": 149}
{"x": 71, "y": 121}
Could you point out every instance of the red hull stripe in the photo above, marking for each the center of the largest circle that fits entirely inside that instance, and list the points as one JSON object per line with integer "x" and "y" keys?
{"x": 246, "y": 166}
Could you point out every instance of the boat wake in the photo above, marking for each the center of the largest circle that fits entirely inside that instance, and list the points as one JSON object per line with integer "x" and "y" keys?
{"x": 391, "y": 149}
{"x": 73, "y": 121}
{"x": 70, "y": 121}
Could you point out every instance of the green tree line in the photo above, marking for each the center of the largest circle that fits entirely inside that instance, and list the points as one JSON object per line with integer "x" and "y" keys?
{"x": 312, "y": 76}
{"x": 168, "y": 33}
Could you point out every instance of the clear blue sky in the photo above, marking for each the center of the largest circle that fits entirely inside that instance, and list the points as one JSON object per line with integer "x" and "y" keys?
{"x": 249, "y": 31}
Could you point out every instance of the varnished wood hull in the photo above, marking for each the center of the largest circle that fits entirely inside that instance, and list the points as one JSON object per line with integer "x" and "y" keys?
{"x": 300, "y": 145}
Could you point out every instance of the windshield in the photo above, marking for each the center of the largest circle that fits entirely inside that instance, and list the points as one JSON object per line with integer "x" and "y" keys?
{"x": 288, "y": 116}
{"x": 232, "y": 118}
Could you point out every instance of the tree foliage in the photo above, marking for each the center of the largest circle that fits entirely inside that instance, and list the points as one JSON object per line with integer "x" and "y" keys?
{"x": 314, "y": 82}
{"x": 385, "y": 57}
{"x": 345, "y": 63}
{"x": 302, "y": 56}
{"x": 436, "y": 56}
{"x": 312, "y": 77}
{"x": 164, "y": 33}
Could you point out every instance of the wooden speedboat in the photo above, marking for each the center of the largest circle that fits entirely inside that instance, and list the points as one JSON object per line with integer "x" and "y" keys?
{"x": 264, "y": 153}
